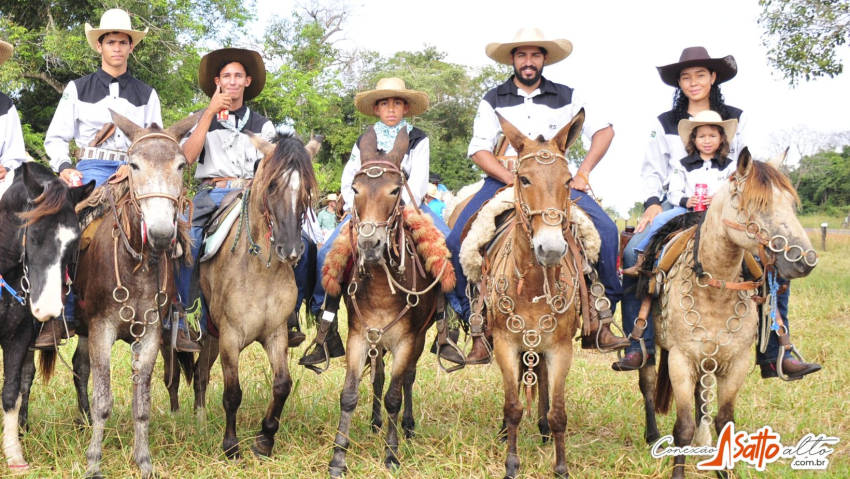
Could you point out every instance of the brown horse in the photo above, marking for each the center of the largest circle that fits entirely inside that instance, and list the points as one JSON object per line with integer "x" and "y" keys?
{"x": 388, "y": 310}
{"x": 124, "y": 286}
{"x": 530, "y": 281}
{"x": 250, "y": 290}
{"x": 707, "y": 320}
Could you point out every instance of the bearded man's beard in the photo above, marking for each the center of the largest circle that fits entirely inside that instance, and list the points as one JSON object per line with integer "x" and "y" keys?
{"x": 528, "y": 81}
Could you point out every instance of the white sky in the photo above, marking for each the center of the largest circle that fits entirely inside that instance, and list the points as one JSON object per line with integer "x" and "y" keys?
{"x": 616, "y": 47}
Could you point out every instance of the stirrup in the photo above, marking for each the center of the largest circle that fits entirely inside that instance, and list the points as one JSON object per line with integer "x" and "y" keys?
{"x": 781, "y": 355}
{"x": 443, "y": 339}
{"x": 644, "y": 356}
{"x": 313, "y": 367}
{"x": 609, "y": 320}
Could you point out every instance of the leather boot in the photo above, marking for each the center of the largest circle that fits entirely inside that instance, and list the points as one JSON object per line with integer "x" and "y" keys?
{"x": 634, "y": 271}
{"x": 608, "y": 341}
{"x": 186, "y": 345}
{"x": 447, "y": 352}
{"x": 296, "y": 338}
{"x": 50, "y": 335}
{"x": 335, "y": 350}
{"x": 480, "y": 353}
{"x": 631, "y": 362}
{"x": 791, "y": 367}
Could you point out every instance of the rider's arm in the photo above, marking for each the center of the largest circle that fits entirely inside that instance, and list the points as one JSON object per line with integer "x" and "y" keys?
{"x": 599, "y": 144}
{"x": 193, "y": 145}
{"x": 485, "y": 131}
{"x": 420, "y": 165}
{"x": 12, "y": 150}
{"x": 61, "y": 130}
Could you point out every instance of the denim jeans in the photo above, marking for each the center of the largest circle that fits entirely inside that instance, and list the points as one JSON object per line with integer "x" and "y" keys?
{"x": 770, "y": 354}
{"x": 606, "y": 266}
{"x": 660, "y": 220}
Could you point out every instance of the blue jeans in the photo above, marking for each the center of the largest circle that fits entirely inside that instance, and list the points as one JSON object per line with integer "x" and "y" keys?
{"x": 772, "y": 351}
{"x": 319, "y": 290}
{"x": 99, "y": 171}
{"x": 606, "y": 266}
{"x": 660, "y": 220}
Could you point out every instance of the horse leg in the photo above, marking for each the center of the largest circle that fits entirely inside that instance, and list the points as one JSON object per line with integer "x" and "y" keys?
{"x": 682, "y": 379}
{"x": 232, "y": 397}
{"x": 142, "y": 401}
{"x": 377, "y": 391}
{"x": 648, "y": 376}
{"x": 559, "y": 362}
{"x": 407, "y": 421}
{"x": 402, "y": 356}
{"x": 201, "y": 374}
{"x": 101, "y": 339}
{"x": 542, "y": 371}
{"x": 276, "y": 349}
{"x": 27, "y": 377}
{"x": 355, "y": 360}
{"x": 82, "y": 370}
{"x": 14, "y": 354}
{"x": 170, "y": 375}
{"x": 728, "y": 386}
{"x": 507, "y": 357}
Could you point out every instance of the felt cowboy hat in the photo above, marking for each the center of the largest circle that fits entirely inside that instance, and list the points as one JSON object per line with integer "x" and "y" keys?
{"x": 329, "y": 198}
{"x": 387, "y": 88}
{"x": 251, "y": 60}
{"x": 435, "y": 178}
{"x": 725, "y": 67}
{"x": 707, "y": 117}
{"x": 6, "y": 50}
{"x": 557, "y": 49}
{"x": 114, "y": 20}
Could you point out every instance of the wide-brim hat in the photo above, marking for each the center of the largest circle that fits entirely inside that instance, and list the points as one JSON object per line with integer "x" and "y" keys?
{"x": 391, "y": 88}
{"x": 726, "y": 68}
{"x": 113, "y": 20}
{"x": 435, "y": 178}
{"x": 251, "y": 60}
{"x": 433, "y": 192}
{"x": 707, "y": 117}
{"x": 557, "y": 49}
{"x": 6, "y": 51}
{"x": 329, "y": 198}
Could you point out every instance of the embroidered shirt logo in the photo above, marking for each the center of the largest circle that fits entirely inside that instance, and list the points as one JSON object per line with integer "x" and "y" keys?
{"x": 652, "y": 135}
{"x": 553, "y": 127}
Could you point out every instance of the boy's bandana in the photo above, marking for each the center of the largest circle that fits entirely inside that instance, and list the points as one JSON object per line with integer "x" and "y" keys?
{"x": 234, "y": 134}
{"x": 386, "y": 134}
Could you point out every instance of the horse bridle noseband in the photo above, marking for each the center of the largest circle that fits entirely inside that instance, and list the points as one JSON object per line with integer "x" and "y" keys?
{"x": 550, "y": 216}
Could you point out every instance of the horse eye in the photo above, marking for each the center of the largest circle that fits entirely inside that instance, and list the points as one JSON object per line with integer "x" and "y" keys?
{"x": 355, "y": 190}
{"x": 134, "y": 166}
{"x": 395, "y": 192}
{"x": 524, "y": 181}
{"x": 181, "y": 166}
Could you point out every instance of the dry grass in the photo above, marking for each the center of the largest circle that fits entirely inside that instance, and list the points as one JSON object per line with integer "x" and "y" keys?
{"x": 457, "y": 415}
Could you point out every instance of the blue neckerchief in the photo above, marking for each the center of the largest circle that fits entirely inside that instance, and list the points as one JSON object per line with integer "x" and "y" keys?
{"x": 235, "y": 129}
{"x": 386, "y": 134}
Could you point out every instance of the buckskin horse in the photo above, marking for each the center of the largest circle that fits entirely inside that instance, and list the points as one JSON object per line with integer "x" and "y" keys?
{"x": 391, "y": 293}
{"x": 705, "y": 317}
{"x": 124, "y": 284}
{"x": 250, "y": 290}
{"x": 39, "y": 232}
{"x": 530, "y": 282}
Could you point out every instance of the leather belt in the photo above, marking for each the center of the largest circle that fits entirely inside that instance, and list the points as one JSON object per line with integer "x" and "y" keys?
{"x": 94, "y": 153}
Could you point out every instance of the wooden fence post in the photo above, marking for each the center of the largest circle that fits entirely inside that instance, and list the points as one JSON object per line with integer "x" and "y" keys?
{"x": 823, "y": 227}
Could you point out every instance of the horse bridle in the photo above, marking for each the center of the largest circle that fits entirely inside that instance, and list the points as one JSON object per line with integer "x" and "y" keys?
{"x": 550, "y": 216}
{"x": 376, "y": 169}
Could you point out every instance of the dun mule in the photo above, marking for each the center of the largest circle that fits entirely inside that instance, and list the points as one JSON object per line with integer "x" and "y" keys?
{"x": 39, "y": 233}
{"x": 124, "y": 285}
{"x": 250, "y": 290}
{"x": 531, "y": 278}
{"x": 382, "y": 304}
{"x": 706, "y": 321}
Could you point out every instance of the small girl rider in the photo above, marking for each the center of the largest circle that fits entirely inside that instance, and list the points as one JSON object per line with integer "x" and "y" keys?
{"x": 706, "y": 138}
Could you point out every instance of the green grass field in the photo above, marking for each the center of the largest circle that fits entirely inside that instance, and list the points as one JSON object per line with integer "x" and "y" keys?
{"x": 457, "y": 415}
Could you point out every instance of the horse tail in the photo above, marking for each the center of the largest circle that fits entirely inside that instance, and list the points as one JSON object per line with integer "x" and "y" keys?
{"x": 663, "y": 386}
{"x": 187, "y": 364}
{"x": 47, "y": 364}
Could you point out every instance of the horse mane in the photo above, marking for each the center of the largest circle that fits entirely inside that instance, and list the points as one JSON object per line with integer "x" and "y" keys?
{"x": 289, "y": 153}
{"x": 51, "y": 199}
{"x": 758, "y": 190}
{"x": 678, "y": 223}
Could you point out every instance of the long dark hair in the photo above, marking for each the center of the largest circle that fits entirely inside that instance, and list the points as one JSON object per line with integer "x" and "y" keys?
{"x": 715, "y": 102}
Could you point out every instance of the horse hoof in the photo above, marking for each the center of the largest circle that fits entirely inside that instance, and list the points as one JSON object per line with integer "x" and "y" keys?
{"x": 651, "y": 437}
{"x": 337, "y": 471}
{"x": 260, "y": 454}
{"x": 233, "y": 454}
{"x": 546, "y": 438}
{"x": 409, "y": 433}
{"x": 722, "y": 474}
{"x": 376, "y": 426}
{"x": 94, "y": 475}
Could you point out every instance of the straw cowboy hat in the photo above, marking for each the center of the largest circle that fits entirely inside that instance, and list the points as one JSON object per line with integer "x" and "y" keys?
{"x": 557, "y": 49}
{"x": 329, "y": 198}
{"x": 391, "y": 87}
{"x": 251, "y": 60}
{"x": 707, "y": 117}
{"x": 114, "y": 20}
{"x": 725, "y": 67}
{"x": 6, "y": 50}
{"x": 433, "y": 192}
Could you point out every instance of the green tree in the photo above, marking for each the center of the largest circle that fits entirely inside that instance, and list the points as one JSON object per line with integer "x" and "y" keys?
{"x": 803, "y": 36}
{"x": 636, "y": 211}
{"x": 826, "y": 187}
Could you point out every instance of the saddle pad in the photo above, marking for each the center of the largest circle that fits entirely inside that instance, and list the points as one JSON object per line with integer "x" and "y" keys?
{"x": 213, "y": 242}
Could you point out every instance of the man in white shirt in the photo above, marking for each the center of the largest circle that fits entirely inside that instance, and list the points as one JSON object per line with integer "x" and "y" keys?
{"x": 12, "y": 152}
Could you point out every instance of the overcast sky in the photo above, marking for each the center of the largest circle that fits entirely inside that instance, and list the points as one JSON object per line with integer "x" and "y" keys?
{"x": 616, "y": 47}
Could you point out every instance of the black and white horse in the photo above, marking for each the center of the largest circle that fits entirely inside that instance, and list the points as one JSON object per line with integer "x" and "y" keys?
{"x": 39, "y": 233}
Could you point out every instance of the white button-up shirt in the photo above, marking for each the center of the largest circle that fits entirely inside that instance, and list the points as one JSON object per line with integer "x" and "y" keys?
{"x": 12, "y": 150}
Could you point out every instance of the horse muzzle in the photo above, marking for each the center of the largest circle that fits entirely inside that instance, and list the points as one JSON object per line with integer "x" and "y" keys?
{"x": 549, "y": 250}
{"x": 289, "y": 253}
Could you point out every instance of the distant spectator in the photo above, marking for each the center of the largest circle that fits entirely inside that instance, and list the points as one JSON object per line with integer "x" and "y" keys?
{"x": 327, "y": 216}
{"x": 432, "y": 199}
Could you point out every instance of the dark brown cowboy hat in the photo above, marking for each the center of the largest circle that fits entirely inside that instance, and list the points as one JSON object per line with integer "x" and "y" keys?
{"x": 725, "y": 67}
{"x": 251, "y": 60}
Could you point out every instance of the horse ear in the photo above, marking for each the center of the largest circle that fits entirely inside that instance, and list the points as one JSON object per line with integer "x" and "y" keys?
{"x": 516, "y": 139}
{"x": 745, "y": 162}
{"x": 80, "y": 193}
{"x": 34, "y": 187}
{"x": 181, "y": 129}
{"x": 569, "y": 133}
{"x": 369, "y": 143}
{"x": 402, "y": 140}
{"x": 777, "y": 160}
{"x": 129, "y": 128}
{"x": 314, "y": 145}
{"x": 260, "y": 144}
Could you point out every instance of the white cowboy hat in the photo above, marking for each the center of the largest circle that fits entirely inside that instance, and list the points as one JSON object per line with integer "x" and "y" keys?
{"x": 433, "y": 192}
{"x": 557, "y": 49}
{"x": 6, "y": 50}
{"x": 707, "y": 117}
{"x": 387, "y": 88}
{"x": 113, "y": 20}
{"x": 329, "y": 198}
